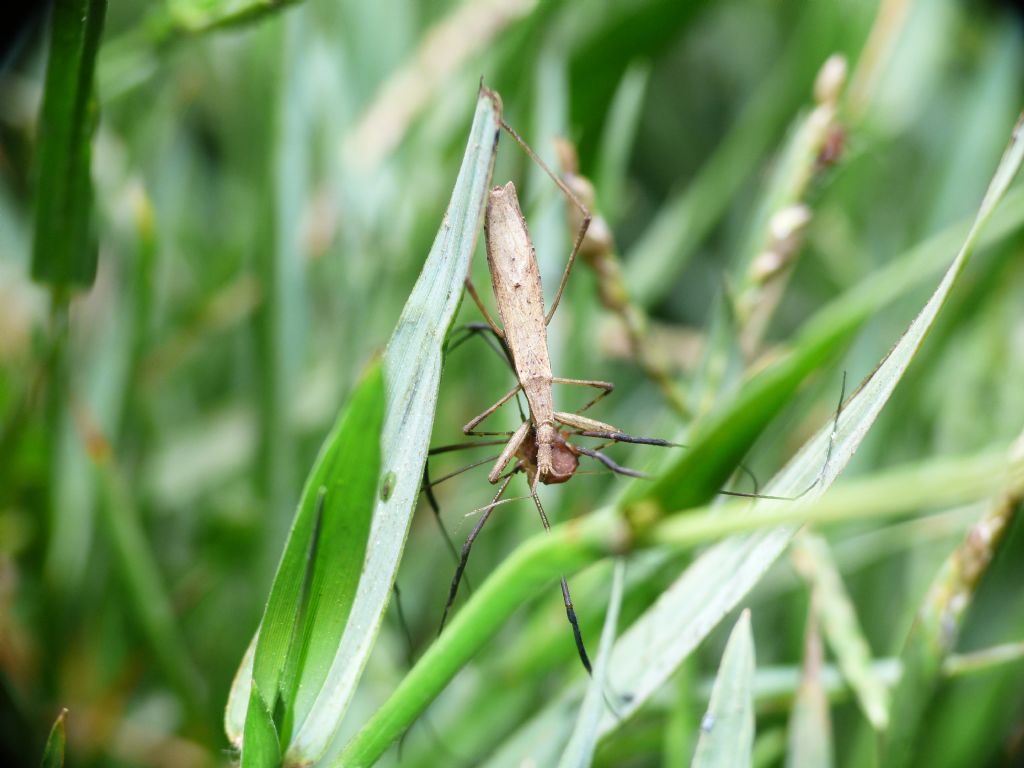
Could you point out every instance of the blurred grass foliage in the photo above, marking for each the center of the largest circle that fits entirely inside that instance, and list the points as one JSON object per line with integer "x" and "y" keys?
{"x": 267, "y": 180}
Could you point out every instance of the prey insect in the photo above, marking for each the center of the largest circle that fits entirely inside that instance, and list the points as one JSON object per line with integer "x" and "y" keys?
{"x": 541, "y": 446}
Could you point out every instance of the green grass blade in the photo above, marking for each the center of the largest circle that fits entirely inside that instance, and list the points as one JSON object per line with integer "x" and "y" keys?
{"x": 262, "y": 747}
{"x": 316, "y": 582}
{"x": 411, "y": 371}
{"x": 940, "y": 618}
{"x": 53, "y": 752}
{"x": 727, "y": 729}
{"x": 64, "y": 251}
{"x": 685, "y": 613}
{"x": 810, "y": 729}
{"x": 715, "y": 583}
{"x": 579, "y": 752}
{"x": 728, "y": 432}
{"x": 842, "y": 629}
{"x": 618, "y": 139}
{"x": 144, "y": 583}
{"x": 519, "y": 578}
{"x": 719, "y": 579}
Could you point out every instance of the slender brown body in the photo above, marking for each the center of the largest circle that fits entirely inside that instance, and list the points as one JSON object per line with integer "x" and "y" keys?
{"x": 515, "y": 278}
{"x": 537, "y": 446}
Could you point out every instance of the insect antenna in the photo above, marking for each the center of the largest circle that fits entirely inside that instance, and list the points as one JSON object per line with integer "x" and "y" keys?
{"x": 428, "y": 491}
{"x": 584, "y": 225}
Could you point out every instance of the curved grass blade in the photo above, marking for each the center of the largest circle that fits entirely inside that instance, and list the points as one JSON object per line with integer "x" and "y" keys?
{"x": 727, "y": 729}
{"x": 539, "y": 561}
{"x": 719, "y": 578}
{"x": 649, "y": 652}
{"x": 579, "y": 752}
{"x": 411, "y": 375}
{"x": 316, "y": 582}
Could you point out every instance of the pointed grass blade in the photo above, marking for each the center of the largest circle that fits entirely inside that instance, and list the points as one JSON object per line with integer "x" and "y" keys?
{"x": 813, "y": 558}
{"x": 53, "y": 752}
{"x": 332, "y": 661}
{"x": 727, "y": 728}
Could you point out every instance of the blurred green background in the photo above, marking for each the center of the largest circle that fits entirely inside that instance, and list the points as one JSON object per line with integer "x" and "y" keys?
{"x": 267, "y": 183}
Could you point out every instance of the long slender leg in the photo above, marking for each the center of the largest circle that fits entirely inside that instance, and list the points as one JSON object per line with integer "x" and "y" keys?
{"x": 608, "y": 462}
{"x": 467, "y": 445}
{"x": 510, "y": 451}
{"x": 471, "y": 426}
{"x": 570, "y": 612}
{"x": 461, "y": 567}
{"x": 457, "y": 472}
{"x": 584, "y": 423}
{"x": 436, "y": 509}
{"x": 483, "y": 310}
{"x": 573, "y": 199}
{"x": 622, "y": 437}
{"x": 485, "y": 332}
{"x": 497, "y": 344}
{"x": 606, "y": 388}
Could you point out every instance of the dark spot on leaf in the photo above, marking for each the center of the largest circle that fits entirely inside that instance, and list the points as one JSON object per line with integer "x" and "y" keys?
{"x": 387, "y": 486}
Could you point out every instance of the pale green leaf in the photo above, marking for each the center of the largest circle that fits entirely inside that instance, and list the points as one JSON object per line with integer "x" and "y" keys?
{"x": 727, "y": 728}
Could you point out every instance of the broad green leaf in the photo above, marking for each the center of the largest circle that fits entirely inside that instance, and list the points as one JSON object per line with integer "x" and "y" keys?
{"x": 53, "y": 752}
{"x": 316, "y": 582}
{"x": 579, "y": 752}
{"x": 411, "y": 374}
{"x": 64, "y": 251}
{"x": 727, "y": 728}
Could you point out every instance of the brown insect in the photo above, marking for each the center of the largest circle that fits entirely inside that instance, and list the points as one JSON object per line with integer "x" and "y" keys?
{"x": 539, "y": 447}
